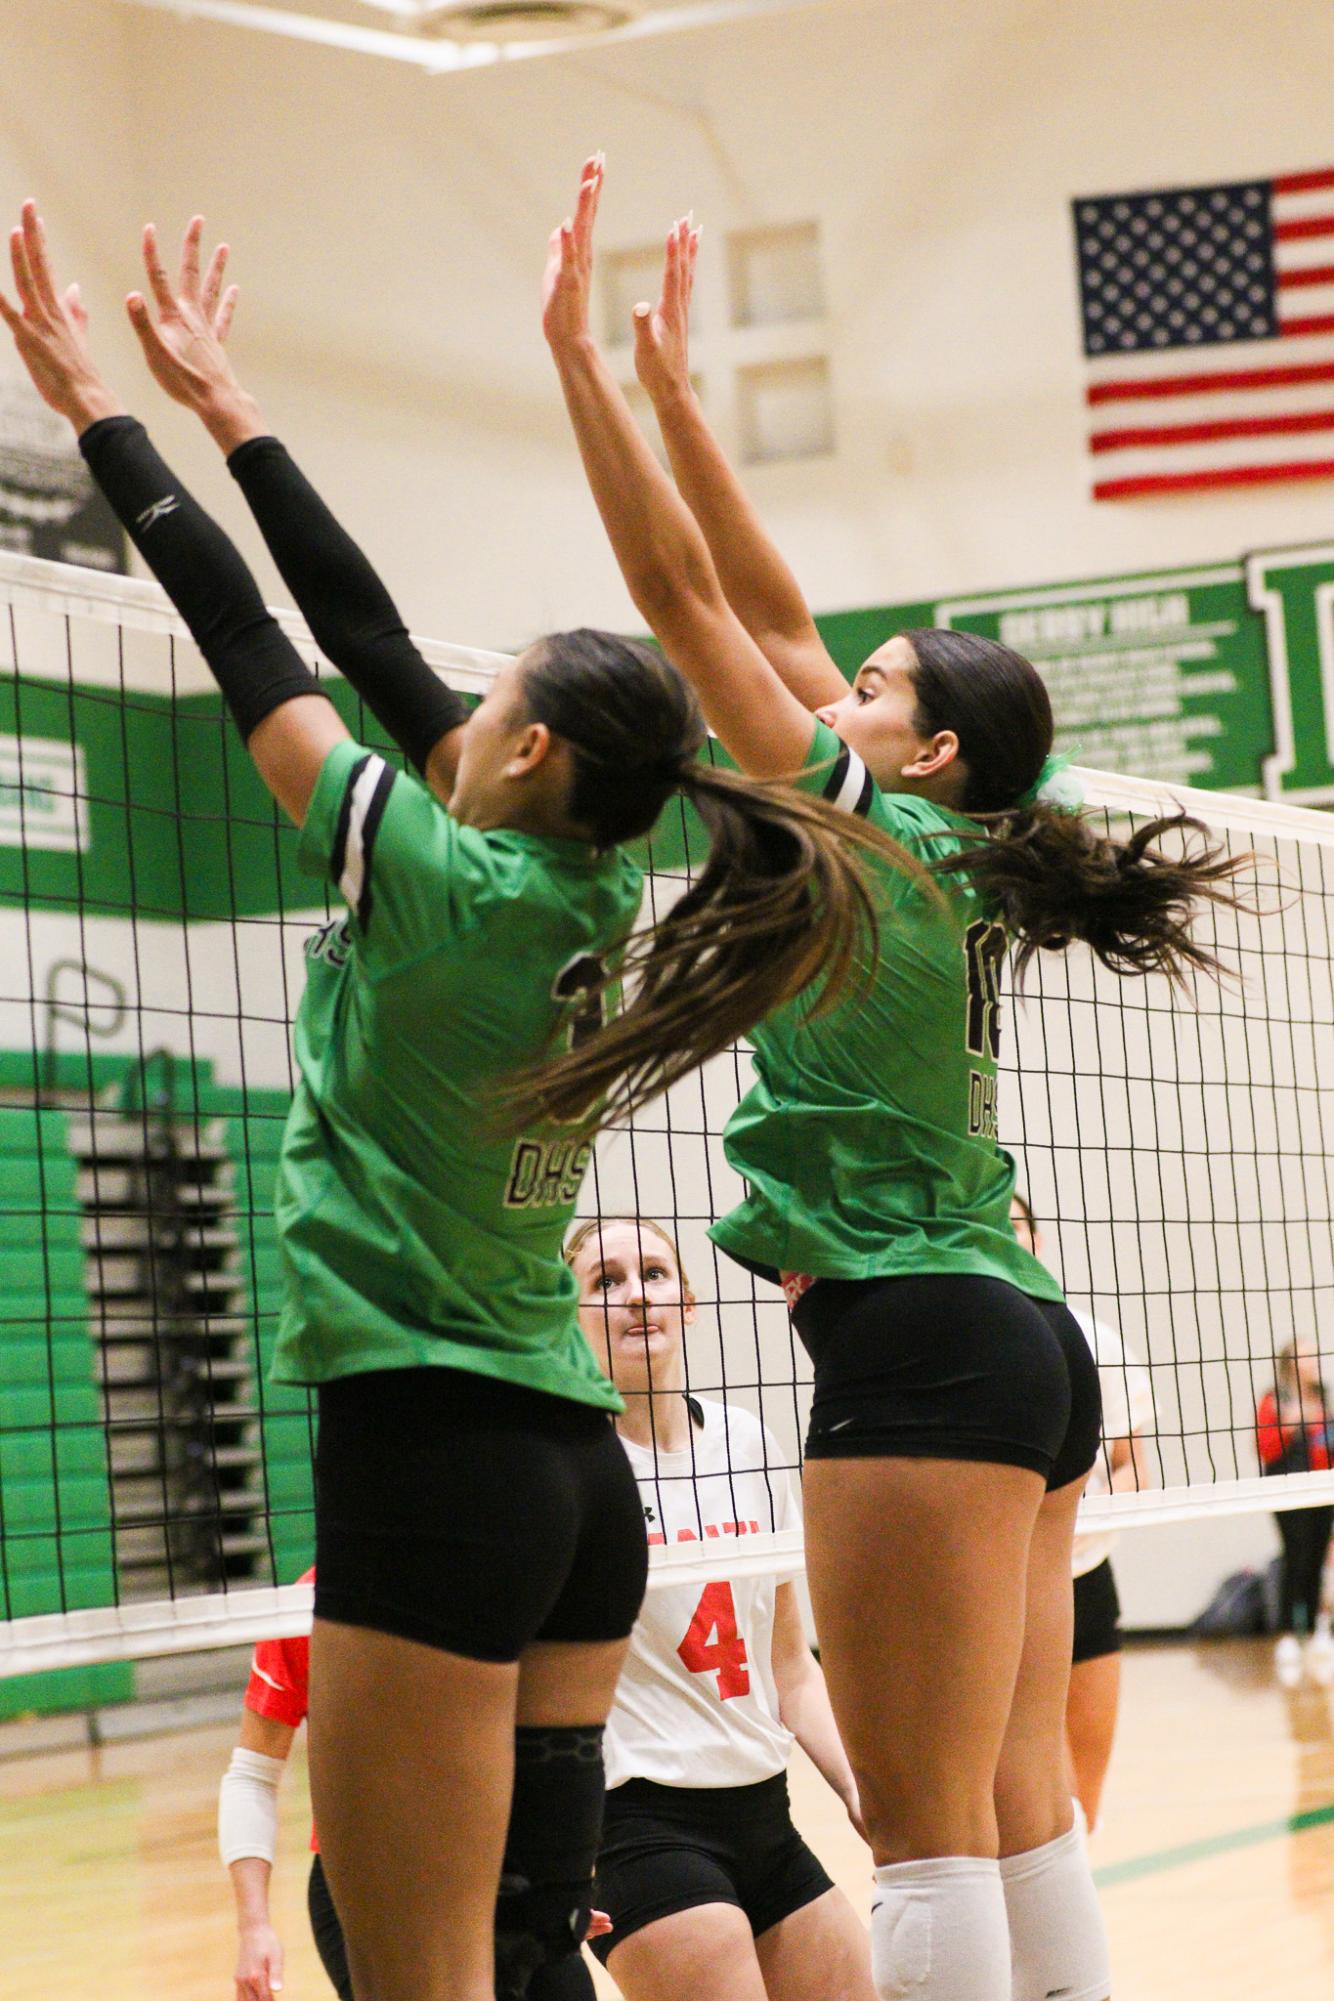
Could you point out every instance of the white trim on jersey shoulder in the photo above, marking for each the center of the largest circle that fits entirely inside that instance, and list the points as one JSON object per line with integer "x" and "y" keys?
{"x": 849, "y": 784}
{"x": 368, "y": 789}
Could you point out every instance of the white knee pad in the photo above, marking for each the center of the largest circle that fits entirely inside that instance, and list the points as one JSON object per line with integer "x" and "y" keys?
{"x": 1058, "y": 1942}
{"x": 938, "y": 1931}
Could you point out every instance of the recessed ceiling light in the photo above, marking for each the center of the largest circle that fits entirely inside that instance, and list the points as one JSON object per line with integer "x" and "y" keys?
{"x": 523, "y": 20}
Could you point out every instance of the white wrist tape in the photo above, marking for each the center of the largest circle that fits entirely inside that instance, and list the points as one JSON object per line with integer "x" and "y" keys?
{"x": 248, "y": 1807}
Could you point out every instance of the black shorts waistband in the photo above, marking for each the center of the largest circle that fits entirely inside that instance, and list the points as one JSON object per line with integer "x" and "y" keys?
{"x": 699, "y": 1801}
{"x": 460, "y": 1397}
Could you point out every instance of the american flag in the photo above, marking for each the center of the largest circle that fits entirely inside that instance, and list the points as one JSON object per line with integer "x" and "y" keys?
{"x": 1168, "y": 278}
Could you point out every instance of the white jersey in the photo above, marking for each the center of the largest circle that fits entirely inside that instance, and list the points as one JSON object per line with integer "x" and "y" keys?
{"x": 696, "y": 1704}
{"x": 1127, "y": 1406}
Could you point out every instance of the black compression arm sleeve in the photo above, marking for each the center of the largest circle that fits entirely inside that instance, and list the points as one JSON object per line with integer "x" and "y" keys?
{"x": 355, "y": 622}
{"x": 203, "y": 573}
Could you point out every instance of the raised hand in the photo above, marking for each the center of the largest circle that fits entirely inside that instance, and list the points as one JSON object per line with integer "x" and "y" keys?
{"x": 662, "y": 343}
{"x": 184, "y": 347}
{"x": 568, "y": 277}
{"x": 51, "y": 332}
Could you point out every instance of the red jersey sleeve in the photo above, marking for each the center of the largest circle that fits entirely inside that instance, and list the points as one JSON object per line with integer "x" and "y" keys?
{"x": 279, "y": 1680}
{"x": 1271, "y": 1437}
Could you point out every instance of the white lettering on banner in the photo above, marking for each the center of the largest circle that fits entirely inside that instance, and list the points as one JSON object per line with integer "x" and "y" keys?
{"x": 43, "y": 794}
{"x": 1047, "y": 625}
{"x": 1169, "y": 612}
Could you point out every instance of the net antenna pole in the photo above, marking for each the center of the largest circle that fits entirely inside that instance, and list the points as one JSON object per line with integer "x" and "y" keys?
{"x": 79, "y": 1015}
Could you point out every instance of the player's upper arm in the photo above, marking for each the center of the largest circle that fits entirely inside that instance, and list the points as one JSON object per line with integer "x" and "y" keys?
{"x": 407, "y": 870}
{"x": 289, "y": 748}
{"x": 756, "y": 719}
{"x": 803, "y": 663}
{"x": 265, "y": 1734}
{"x": 792, "y": 1657}
{"x": 832, "y": 769}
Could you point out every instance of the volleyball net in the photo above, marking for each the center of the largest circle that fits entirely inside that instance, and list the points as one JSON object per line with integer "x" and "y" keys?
{"x": 155, "y": 1485}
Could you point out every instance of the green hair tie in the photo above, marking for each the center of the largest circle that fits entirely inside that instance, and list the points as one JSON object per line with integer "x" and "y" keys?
{"x": 1056, "y": 785}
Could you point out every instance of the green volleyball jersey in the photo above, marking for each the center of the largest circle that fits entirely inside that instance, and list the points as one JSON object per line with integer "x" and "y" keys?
{"x": 411, "y": 1233}
{"x": 868, "y": 1140}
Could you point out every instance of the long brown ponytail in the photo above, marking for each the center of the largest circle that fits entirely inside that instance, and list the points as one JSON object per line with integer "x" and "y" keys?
{"x": 782, "y": 904}
{"x": 1055, "y": 876}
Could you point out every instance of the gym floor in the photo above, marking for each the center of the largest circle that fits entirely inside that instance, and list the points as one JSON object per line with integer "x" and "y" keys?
{"x": 1215, "y": 1854}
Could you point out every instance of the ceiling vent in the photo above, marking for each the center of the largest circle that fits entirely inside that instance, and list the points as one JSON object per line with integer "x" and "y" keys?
{"x": 523, "y": 20}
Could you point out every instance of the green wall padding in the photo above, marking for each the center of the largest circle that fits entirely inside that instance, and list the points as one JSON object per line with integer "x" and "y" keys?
{"x": 56, "y": 1548}
{"x": 55, "y": 1535}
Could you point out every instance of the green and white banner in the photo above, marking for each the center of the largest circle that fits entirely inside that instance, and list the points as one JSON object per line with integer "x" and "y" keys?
{"x": 43, "y": 789}
{"x": 1219, "y": 675}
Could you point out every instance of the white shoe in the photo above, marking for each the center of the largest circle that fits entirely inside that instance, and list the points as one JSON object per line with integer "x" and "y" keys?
{"x": 1320, "y": 1655}
{"x": 1288, "y": 1661}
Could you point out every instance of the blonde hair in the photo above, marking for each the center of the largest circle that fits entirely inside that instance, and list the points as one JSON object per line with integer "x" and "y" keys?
{"x": 1285, "y": 1362}
{"x": 581, "y": 1233}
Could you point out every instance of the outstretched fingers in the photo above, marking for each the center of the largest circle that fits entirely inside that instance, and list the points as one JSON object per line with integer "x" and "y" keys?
{"x": 32, "y": 274}
{"x": 671, "y": 274}
{"x": 686, "y": 238}
{"x": 150, "y": 339}
{"x": 222, "y": 325}
{"x": 586, "y": 207}
{"x": 569, "y": 265}
{"x": 188, "y": 285}
{"x": 24, "y": 283}
{"x": 212, "y": 288}
{"x": 158, "y": 281}
{"x": 689, "y": 251}
{"x": 39, "y": 259}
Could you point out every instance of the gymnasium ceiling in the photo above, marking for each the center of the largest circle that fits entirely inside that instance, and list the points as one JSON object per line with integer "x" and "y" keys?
{"x": 445, "y": 35}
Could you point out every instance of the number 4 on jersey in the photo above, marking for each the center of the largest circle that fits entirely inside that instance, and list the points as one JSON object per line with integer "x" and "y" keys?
{"x": 713, "y": 1645}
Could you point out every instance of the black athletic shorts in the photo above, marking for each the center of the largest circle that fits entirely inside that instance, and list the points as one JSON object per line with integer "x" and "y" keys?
{"x": 473, "y": 1515}
{"x": 1097, "y": 1614}
{"x": 670, "y": 1848}
{"x": 327, "y": 1932}
{"x": 949, "y": 1367}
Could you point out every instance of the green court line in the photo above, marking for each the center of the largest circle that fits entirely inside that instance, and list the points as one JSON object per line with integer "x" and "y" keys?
{"x": 1113, "y": 1874}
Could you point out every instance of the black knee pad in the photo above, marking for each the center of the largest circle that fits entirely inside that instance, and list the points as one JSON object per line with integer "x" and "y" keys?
{"x": 546, "y": 1885}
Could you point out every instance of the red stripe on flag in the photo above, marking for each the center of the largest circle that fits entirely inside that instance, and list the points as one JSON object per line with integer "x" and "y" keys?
{"x": 1316, "y": 323}
{"x": 1151, "y": 387}
{"x": 1307, "y": 225}
{"x": 1301, "y": 184}
{"x": 1146, "y": 486}
{"x": 1313, "y": 274}
{"x": 1208, "y": 434}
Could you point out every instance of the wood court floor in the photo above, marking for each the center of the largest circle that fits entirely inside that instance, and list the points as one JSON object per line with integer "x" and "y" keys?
{"x": 1216, "y": 1852}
